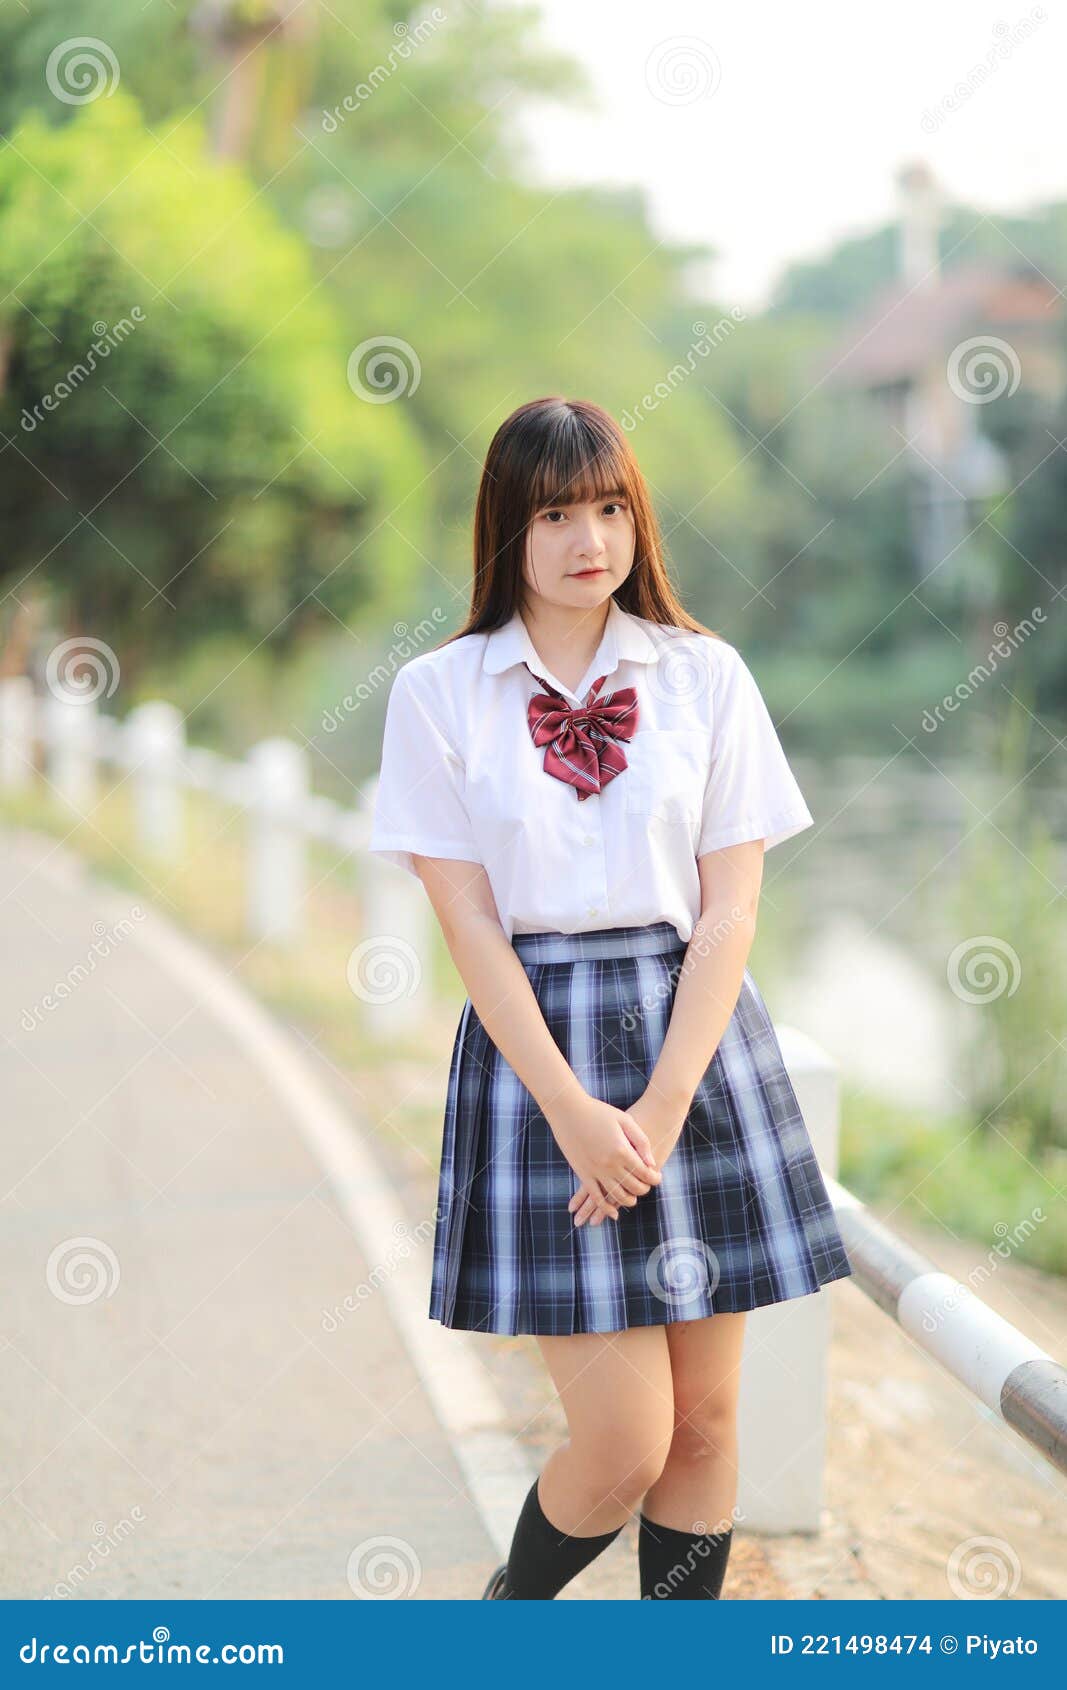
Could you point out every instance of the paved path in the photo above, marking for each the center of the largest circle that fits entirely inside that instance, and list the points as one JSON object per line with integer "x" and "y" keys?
{"x": 174, "y": 1419}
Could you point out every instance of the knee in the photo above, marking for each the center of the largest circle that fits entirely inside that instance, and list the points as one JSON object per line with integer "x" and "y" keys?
{"x": 705, "y": 1433}
{"x": 627, "y": 1467}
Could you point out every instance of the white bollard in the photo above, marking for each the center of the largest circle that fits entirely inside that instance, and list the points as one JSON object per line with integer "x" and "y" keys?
{"x": 277, "y": 848}
{"x": 71, "y": 738}
{"x": 155, "y": 734}
{"x": 782, "y": 1402}
{"x": 389, "y": 970}
{"x": 16, "y": 732}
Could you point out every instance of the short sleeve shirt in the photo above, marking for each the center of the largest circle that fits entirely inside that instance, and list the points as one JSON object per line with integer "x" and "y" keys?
{"x": 461, "y": 777}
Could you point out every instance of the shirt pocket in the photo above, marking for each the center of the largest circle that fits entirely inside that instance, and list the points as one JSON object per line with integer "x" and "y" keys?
{"x": 666, "y": 774}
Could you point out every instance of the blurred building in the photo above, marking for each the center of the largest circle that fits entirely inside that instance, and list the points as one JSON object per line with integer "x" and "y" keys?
{"x": 935, "y": 348}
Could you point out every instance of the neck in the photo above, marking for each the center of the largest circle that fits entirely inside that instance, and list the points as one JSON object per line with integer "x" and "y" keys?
{"x": 565, "y": 637}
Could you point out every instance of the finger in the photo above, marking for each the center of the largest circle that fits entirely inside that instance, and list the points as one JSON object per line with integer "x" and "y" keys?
{"x": 585, "y": 1213}
{"x": 640, "y": 1140}
{"x": 634, "y": 1183}
{"x": 600, "y": 1208}
{"x": 579, "y": 1198}
{"x": 621, "y": 1195}
{"x": 606, "y": 1209}
{"x": 631, "y": 1164}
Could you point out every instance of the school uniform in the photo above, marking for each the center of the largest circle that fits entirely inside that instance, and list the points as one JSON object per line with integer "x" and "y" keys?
{"x": 589, "y": 810}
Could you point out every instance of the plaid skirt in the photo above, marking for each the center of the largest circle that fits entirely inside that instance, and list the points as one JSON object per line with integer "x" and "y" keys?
{"x": 741, "y": 1216}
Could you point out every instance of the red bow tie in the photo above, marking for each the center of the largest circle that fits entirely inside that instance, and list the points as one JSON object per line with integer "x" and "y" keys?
{"x": 581, "y": 739}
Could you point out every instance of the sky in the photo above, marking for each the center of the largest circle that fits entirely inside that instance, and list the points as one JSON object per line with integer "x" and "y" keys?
{"x": 773, "y": 130}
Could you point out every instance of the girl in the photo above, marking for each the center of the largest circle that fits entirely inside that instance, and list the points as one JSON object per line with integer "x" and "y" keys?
{"x": 585, "y": 779}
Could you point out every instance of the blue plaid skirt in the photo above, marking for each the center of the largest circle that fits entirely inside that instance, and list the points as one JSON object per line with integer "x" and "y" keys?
{"x": 740, "y": 1218}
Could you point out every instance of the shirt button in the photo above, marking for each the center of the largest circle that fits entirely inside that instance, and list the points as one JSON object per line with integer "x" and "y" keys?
{"x": 592, "y": 910}
{"x": 587, "y": 839}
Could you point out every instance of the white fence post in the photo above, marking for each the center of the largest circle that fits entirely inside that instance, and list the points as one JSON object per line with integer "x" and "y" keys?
{"x": 71, "y": 738}
{"x": 390, "y": 970}
{"x": 17, "y": 706}
{"x": 155, "y": 734}
{"x": 786, "y": 1348}
{"x": 277, "y": 849}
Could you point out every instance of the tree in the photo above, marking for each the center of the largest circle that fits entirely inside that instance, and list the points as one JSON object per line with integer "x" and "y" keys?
{"x": 183, "y": 447}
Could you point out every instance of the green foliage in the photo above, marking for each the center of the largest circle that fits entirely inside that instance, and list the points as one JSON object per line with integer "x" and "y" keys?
{"x": 214, "y": 467}
{"x": 977, "y": 1186}
{"x": 1013, "y": 1068}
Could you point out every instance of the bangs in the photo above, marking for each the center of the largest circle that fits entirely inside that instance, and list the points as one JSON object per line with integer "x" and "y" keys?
{"x": 579, "y": 467}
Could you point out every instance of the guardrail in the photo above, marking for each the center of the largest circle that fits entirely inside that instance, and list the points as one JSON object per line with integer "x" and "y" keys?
{"x": 1014, "y": 1377}
{"x": 67, "y": 738}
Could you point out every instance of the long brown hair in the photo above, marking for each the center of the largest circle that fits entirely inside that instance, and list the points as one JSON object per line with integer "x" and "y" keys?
{"x": 561, "y": 451}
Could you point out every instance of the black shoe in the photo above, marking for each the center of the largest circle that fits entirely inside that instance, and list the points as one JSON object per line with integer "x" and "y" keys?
{"x": 495, "y": 1589}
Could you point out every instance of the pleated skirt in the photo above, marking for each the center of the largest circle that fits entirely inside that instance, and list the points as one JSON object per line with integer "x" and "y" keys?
{"x": 741, "y": 1217}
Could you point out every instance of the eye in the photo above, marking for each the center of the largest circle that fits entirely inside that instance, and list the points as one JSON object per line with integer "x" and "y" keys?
{"x": 610, "y": 504}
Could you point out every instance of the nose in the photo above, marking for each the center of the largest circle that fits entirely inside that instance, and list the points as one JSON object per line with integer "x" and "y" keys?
{"x": 591, "y": 546}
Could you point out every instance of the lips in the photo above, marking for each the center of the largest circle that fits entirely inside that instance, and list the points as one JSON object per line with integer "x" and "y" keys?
{"x": 579, "y": 574}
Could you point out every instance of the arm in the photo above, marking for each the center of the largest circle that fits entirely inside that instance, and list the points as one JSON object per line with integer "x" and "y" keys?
{"x": 607, "y": 1150}
{"x": 709, "y": 985}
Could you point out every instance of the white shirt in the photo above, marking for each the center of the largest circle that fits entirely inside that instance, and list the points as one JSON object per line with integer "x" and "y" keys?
{"x": 462, "y": 778}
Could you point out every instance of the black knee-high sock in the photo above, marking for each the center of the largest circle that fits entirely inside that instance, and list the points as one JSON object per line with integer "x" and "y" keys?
{"x": 681, "y": 1566}
{"x": 542, "y": 1558}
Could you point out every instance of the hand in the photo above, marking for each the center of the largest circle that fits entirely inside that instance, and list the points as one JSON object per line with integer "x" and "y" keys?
{"x": 663, "y": 1126}
{"x": 609, "y": 1151}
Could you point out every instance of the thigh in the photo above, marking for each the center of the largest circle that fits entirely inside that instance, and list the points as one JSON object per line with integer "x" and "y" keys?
{"x": 705, "y": 1361}
{"x": 614, "y": 1386}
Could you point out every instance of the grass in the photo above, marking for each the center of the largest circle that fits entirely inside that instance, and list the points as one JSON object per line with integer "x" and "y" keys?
{"x": 980, "y": 1183}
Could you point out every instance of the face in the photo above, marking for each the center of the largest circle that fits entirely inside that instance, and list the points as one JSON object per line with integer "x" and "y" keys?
{"x": 564, "y": 543}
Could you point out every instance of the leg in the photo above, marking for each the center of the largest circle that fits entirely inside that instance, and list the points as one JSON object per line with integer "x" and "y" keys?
{"x": 699, "y": 1477}
{"x": 616, "y": 1393}
{"x": 615, "y": 1388}
{"x": 686, "y": 1522}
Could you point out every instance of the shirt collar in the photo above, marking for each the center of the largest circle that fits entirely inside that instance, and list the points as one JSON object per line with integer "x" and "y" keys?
{"x": 624, "y": 638}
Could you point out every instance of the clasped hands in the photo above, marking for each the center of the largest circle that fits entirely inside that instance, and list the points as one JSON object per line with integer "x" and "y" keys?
{"x": 617, "y": 1154}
